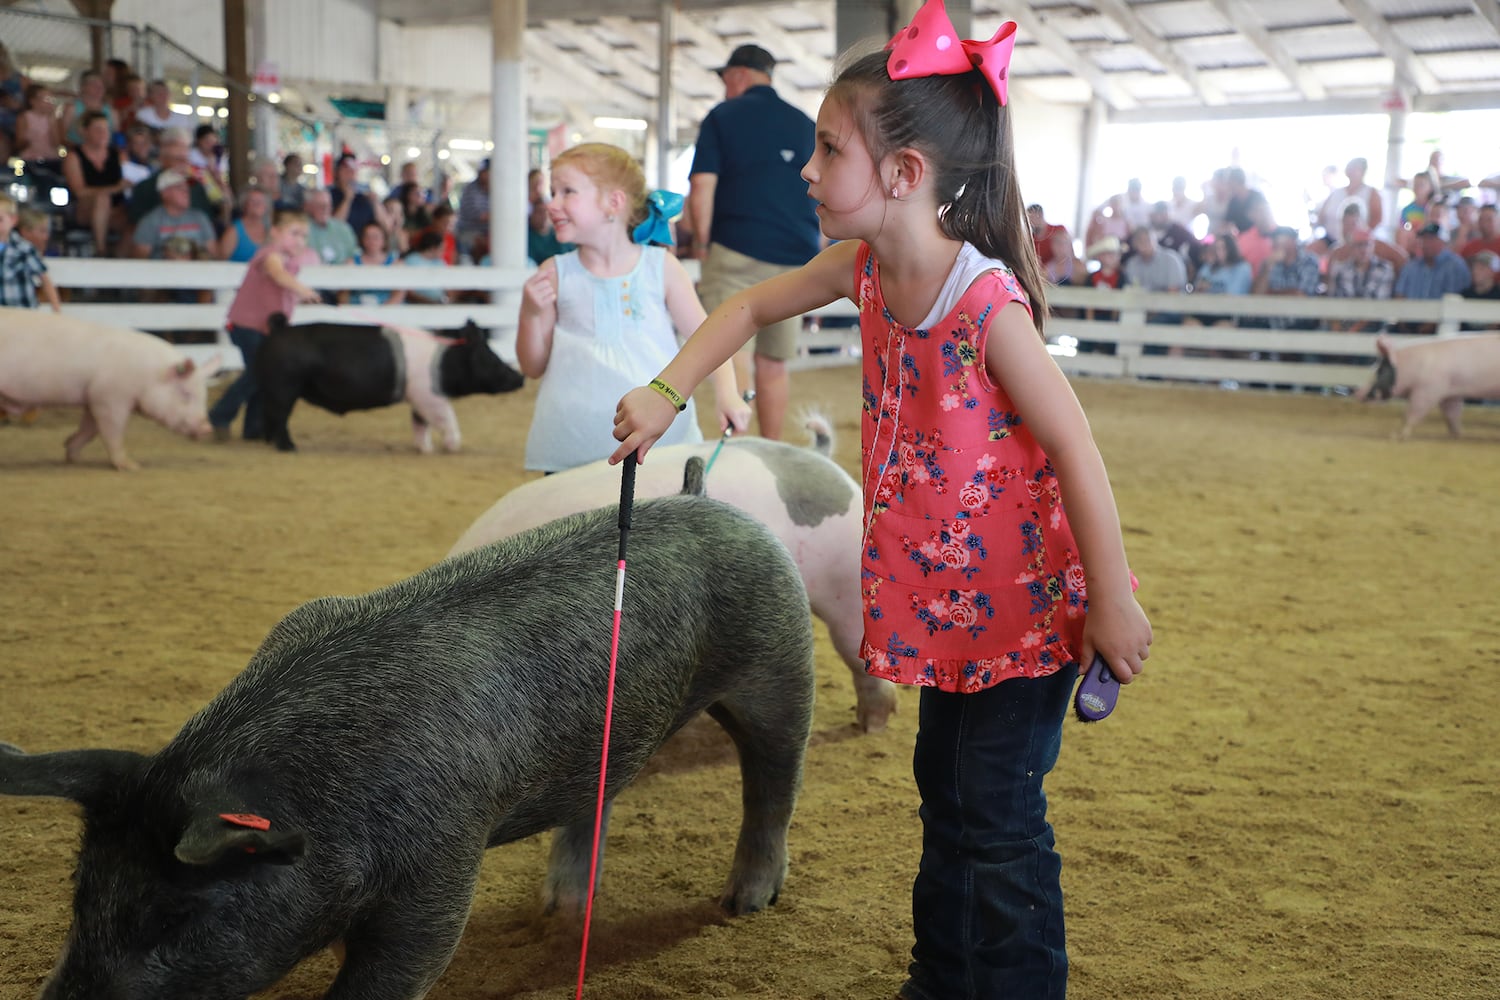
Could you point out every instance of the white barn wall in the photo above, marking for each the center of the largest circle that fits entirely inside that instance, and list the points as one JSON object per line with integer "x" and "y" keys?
{"x": 1049, "y": 155}
{"x": 331, "y": 41}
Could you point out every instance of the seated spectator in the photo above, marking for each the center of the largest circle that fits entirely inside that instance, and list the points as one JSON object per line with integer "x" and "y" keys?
{"x": 1290, "y": 270}
{"x": 1486, "y": 233}
{"x": 1336, "y": 247}
{"x": 1108, "y": 275}
{"x": 172, "y": 155}
{"x": 1108, "y": 220}
{"x": 1357, "y": 194}
{"x": 1360, "y": 274}
{"x": 135, "y": 89}
{"x": 21, "y": 267}
{"x": 416, "y": 211}
{"x": 395, "y": 223}
{"x": 1434, "y": 272}
{"x": 174, "y": 217}
{"x": 1465, "y": 225}
{"x": 1155, "y": 269}
{"x": 96, "y": 182}
{"x": 426, "y": 251}
{"x": 330, "y": 239}
{"x": 38, "y": 134}
{"x": 1255, "y": 242}
{"x": 1414, "y": 213}
{"x": 1483, "y": 283}
{"x": 35, "y": 227}
{"x": 1224, "y": 272}
{"x": 351, "y": 203}
{"x": 1174, "y": 236}
{"x": 474, "y": 209}
{"x": 91, "y": 97}
{"x": 248, "y": 233}
{"x": 139, "y": 159}
{"x": 541, "y": 237}
{"x": 374, "y": 251}
{"x": 1183, "y": 210}
{"x": 443, "y": 222}
{"x": 292, "y": 191}
{"x": 206, "y": 166}
{"x": 157, "y": 112}
{"x": 12, "y": 101}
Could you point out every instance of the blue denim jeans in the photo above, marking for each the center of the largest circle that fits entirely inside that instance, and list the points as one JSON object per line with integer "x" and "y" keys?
{"x": 244, "y": 391}
{"x": 987, "y": 903}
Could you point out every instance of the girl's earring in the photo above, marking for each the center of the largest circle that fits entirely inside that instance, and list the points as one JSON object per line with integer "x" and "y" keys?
{"x": 609, "y": 218}
{"x": 894, "y": 194}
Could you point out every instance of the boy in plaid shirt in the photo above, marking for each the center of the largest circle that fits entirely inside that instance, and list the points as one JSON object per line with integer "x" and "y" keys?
{"x": 21, "y": 267}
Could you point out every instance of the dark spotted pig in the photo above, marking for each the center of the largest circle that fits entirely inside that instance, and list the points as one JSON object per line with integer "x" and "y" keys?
{"x": 799, "y": 493}
{"x": 345, "y": 785}
{"x": 342, "y": 367}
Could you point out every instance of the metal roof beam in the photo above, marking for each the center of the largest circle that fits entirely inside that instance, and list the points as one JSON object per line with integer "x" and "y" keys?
{"x": 1079, "y": 64}
{"x": 594, "y": 51}
{"x": 580, "y": 77}
{"x": 1243, "y": 20}
{"x": 1408, "y": 66}
{"x": 1489, "y": 10}
{"x": 1121, "y": 14}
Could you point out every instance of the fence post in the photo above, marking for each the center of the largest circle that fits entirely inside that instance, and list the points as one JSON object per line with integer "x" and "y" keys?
{"x": 1447, "y": 325}
{"x": 1132, "y": 313}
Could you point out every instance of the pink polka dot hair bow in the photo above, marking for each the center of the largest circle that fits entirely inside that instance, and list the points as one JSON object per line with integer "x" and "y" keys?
{"x": 930, "y": 46}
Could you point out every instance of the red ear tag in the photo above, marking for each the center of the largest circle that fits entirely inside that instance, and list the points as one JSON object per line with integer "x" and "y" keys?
{"x": 247, "y": 820}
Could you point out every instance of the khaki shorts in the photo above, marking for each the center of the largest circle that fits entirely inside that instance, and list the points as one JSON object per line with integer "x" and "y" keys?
{"x": 726, "y": 272}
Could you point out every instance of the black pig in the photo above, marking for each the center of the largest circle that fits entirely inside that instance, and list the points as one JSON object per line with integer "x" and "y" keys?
{"x": 342, "y": 367}
{"x": 345, "y": 785}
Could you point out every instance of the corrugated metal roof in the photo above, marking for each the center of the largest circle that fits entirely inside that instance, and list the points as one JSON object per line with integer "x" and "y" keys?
{"x": 1191, "y": 58}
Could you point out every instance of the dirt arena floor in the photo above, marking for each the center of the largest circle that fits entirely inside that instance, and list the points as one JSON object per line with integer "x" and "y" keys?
{"x": 1298, "y": 800}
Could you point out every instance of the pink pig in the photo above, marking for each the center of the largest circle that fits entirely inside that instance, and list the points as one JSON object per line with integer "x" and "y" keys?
{"x": 1441, "y": 373}
{"x": 805, "y": 498}
{"x": 48, "y": 359}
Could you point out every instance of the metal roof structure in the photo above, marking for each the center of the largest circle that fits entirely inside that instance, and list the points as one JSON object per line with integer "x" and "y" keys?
{"x": 1142, "y": 60}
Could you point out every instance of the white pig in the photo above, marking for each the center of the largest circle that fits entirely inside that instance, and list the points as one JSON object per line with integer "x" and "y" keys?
{"x": 48, "y": 359}
{"x": 1441, "y": 373}
{"x": 804, "y": 497}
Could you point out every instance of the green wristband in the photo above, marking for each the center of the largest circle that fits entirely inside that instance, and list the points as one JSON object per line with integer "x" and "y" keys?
{"x": 673, "y": 396}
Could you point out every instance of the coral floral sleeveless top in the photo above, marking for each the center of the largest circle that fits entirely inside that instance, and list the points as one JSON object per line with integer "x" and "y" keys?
{"x": 969, "y": 574}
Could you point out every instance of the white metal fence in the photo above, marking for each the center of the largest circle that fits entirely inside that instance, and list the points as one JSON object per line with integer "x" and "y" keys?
{"x": 1124, "y": 346}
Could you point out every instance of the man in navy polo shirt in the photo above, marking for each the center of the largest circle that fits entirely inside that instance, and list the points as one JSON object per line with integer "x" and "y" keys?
{"x": 749, "y": 210}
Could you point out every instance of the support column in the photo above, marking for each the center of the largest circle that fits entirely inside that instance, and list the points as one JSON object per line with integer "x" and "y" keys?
{"x": 1398, "y": 105}
{"x": 508, "y": 162}
{"x": 235, "y": 60}
{"x": 1094, "y": 119}
{"x": 267, "y": 141}
{"x": 666, "y": 108}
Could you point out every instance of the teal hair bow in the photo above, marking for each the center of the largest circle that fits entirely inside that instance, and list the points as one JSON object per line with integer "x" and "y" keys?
{"x": 661, "y": 208}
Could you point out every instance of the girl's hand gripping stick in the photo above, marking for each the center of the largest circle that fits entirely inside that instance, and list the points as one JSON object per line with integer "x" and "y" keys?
{"x": 1097, "y": 692}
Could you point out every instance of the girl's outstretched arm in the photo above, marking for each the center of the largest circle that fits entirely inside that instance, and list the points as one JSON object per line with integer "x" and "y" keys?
{"x": 1017, "y": 360}
{"x": 687, "y": 315}
{"x": 537, "y": 320}
{"x": 645, "y": 414}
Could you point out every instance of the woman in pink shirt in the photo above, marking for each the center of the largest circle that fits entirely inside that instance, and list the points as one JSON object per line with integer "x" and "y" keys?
{"x": 270, "y": 286}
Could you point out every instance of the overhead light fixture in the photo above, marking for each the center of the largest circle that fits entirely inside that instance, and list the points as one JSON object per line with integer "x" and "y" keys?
{"x": 274, "y": 98}
{"x": 182, "y": 109}
{"x": 623, "y": 124}
{"x": 213, "y": 93}
{"x": 442, "y": 154}
{"x": 474, "y": 145}
{"x": 412, "y": 152}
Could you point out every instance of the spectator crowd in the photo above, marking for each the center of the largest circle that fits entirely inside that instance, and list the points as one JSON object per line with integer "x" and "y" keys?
{"x": 1444, "y": 240}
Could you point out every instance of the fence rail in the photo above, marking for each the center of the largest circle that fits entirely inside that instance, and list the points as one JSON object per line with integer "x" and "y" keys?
{"x": 1196, "y": 353}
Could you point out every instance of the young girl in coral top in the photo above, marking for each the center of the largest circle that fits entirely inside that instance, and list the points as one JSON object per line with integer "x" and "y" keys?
{"x": 993, "y": 564}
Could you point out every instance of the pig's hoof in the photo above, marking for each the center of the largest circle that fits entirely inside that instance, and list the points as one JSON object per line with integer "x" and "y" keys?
{"x": 128, "y": 465}
{"x": 741, "y": 902}
{"x": 567, "y": 902}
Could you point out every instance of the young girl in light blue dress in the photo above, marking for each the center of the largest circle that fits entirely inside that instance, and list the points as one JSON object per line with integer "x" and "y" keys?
{"x": 607, "y": 316}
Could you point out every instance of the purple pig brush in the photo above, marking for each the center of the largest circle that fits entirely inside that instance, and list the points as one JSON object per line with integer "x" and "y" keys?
{"x": 1097, "y": 692}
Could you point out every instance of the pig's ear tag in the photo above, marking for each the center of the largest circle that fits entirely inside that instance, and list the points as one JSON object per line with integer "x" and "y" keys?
{"x": 247, "y": 820}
